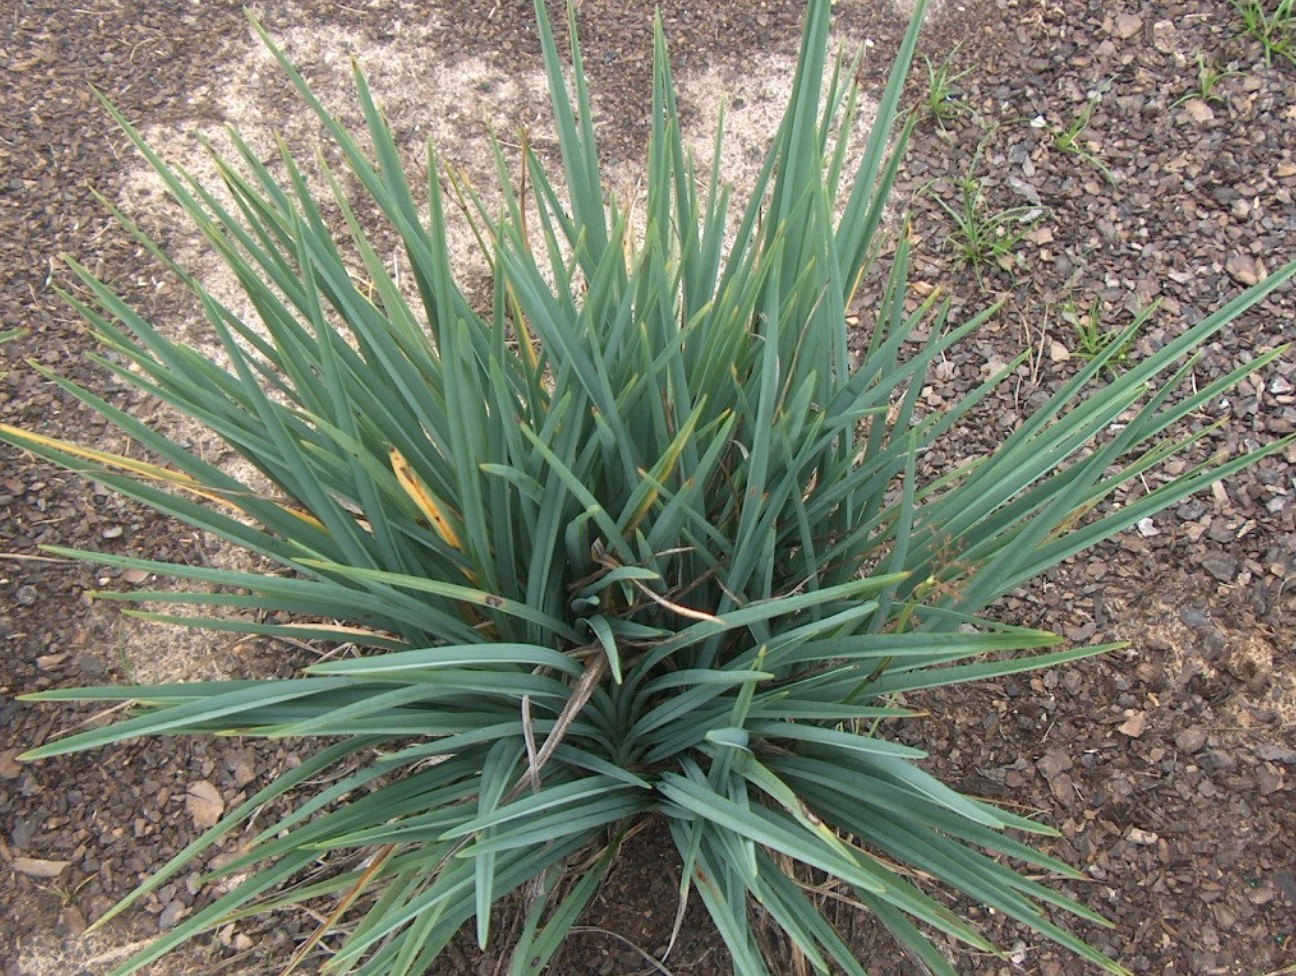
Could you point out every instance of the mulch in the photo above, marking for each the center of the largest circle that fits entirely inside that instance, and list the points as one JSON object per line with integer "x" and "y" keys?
{"x": 1167, "y": 767}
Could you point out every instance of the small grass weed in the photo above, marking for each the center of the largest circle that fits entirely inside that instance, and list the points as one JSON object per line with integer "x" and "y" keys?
{"x": 1209, "y": 75}
{"x": 1068, "y": 140}
{"x": 982, "y": 235}
{"x": 1274, "y": 27}
{"x": 1093, "y": 338}
{"x": 943, "y": 102}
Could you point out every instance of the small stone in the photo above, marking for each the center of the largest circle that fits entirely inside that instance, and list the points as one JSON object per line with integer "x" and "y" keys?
{"x": 1263, "y": 893}
{"x": 39, "y": 867}
{"x": 1218, "y": 761}
{"x": 1053, "y": 763}
{"x": 1017, "y": 954}
{"x": 1285, "y": 170}
{"x": 21, "y": 835}
{"x": 240, "y": 770}
{"x": 1062, "y": 788}
{"x": 1271, "y": 752}
{"x": 48, "y": 662}
{"x": 1190, "y": 740}
{"x": 26, "y": 594}
{"x": 1220, "y": 565}
{"x": 73, "y": 920}
{"x": 89, "y": 664}
{"x": 1270, "y": 779}
{"x": 1127, "y": 25}
{"x": 1165, "y": 36}
{"x": 171, "y": 914}
{"x": 10, "y": 767}
{"x": 1147, "y": 528}
{"x": 1134, "y": 724}
{"x": 135, "y": 576}
{"x": 1058, "y": 353}
{"x": 1280, "y": 385}
{"x": 1144, "y": 838}
{"x": 1245, "y": 269}
{"x": 1198, "y": 111}
{"x": 112, "y": 532}
{"x": 204, "y": 803}
{"x": 1286, "y": 882}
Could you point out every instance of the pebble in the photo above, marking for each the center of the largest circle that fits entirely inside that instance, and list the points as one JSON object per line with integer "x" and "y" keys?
{"x": 10, "y": 768}
{"x": 1286, "y": 883}
{"x": 1220, "y": 565}
{"x": 26, "y": 594}
{"x": 1127, "y": 25}
{"x": 1134, "y": 724}
{"x": 1269, "y": 778}
{"x": 171, "y": 914}
{"x": 1218, "y": 761}
{"x": 1062, "y": 787}
{"x": 1245, "y": 269}
{"x": 1198, "y": 111}
{"x": 89, "y": 664}
{"x": 1053, "y": 763}
{"x": 1190, "y": 740}
{"x": 1165, "y": 37}
{"x": 73, "y": 920}
{"x": 39, "y": 867}
{"x": 1144, "y": 838}
{"x": 1275, "y": 753}
{"x": 1263, "y": 894}
{"x": 204, "y": 803}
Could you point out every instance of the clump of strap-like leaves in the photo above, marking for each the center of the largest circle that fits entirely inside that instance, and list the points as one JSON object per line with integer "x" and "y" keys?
{"x": 644, "y": 539}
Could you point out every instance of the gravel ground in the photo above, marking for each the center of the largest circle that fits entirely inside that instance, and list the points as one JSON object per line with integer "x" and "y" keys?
{"x": 1168, "y": 767}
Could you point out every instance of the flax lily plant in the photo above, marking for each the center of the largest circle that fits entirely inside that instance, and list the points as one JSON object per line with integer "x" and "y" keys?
{"x": 641, "y": 539}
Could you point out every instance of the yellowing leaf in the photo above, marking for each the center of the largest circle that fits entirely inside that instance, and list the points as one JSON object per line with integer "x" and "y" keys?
{"x": 143, "y": 470}
{"x": 423, "y": 499}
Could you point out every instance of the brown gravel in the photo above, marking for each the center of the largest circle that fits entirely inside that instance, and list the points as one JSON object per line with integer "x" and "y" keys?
{"x": 1167, "y": 767}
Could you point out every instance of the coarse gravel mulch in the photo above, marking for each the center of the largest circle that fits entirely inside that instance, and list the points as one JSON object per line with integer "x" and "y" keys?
{"x": 1167, "y": 767}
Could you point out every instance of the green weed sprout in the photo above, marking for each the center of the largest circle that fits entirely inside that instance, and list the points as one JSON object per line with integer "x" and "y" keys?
{"x": 1274, "y": 27}
{"x": 1093, "y": 339}
{"x": 1068, "y": 140}
{"x": 1209, "y": 75}
{"x": 943, "y": 103}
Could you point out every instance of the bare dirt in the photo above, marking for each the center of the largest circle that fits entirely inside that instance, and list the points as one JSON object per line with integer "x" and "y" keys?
{"x": 1168, "y": 767}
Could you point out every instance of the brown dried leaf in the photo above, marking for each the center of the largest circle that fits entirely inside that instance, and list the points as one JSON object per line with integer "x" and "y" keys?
{"x": 204, "y": 803}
